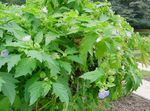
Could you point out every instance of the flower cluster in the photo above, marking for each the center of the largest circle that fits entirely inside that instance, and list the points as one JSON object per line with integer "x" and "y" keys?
{"x": 103, "y": 94}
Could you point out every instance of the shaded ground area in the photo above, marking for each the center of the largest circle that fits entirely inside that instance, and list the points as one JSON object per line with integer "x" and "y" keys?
{"x": 132, "y": 103}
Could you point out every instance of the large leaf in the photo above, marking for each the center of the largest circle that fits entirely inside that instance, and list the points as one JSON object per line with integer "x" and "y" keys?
{"x": 12, "y": 61}
{"x": 50, "y": 36}
{"x": 51, "y": 64}
{"x": 38, "y": 89}
{"x": 35, "y": 55}
{"x": 4, "y": 102}
{"x": 67, "y": 66}
{"x": 8, "y": 88}
{"x": 75, "y": 58}
{"x": 86, "y": 45}
{"x": 60, "y": 91}
{"x": 3, "y": 61}
{"x": 39, "y": 37}
{"x": 93, "y": 75}
{"x": 1, "y": 82}
{"x": 25, "y": 66}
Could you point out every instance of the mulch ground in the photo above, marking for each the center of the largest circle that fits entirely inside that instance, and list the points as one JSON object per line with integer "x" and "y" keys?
{"x": 131, "y": 103}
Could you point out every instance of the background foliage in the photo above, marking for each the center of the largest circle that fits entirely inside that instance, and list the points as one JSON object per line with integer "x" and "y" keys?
{"x": 137, "y": 12}
{"x": 13, "y": 1}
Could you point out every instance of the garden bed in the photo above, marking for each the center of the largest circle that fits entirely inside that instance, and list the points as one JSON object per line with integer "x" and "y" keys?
{"x": 131, "y": 103}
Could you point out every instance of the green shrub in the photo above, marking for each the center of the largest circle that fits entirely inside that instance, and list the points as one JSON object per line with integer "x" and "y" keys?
{"x": 70, "y": 55}
{"x": 14, "y": 1}
{"x": 136, "y": 12}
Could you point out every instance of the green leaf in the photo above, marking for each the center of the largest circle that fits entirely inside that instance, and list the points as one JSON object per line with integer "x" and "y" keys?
{"x": 60, "y": 91}
{"x": 34, "y": 54}
{"x": 86, "y": 45}
{"x": 39, "y": 37}
{"x": 67, "y": 66}
{"x": 28, "y": 83}
{"x": 75, "y": 58}
{"x": 3, "y": 61}
{"x": 4, "y": 102}
{"x": 1, "y": 34}
{"x": 12, "y": 27}
{"x": 1, "y": 83}
{"x": 25, "y": 66}
{"x": 12, "y": 61}
{"x": 101, "y": 49}
{"x": 38, "y": 89}
{"x": 8, "y": 88}
{"x": 51, "y": 64}
{"x": 50, "y": 36}
{"x": 104, "y": 18}
{"x": 93, "y": 75}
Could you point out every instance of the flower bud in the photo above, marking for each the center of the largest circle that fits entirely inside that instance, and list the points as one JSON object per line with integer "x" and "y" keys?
{"x": 4, "y": 53}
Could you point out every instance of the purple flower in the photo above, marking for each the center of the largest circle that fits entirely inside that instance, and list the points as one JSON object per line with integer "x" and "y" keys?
{"x": 4, "y": 53}
{"x": 103, "y": 94}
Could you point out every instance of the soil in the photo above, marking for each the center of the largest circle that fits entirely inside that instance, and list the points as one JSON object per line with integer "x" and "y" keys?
{"x": 131, "y": 103}
{"x": 147, "y": 78}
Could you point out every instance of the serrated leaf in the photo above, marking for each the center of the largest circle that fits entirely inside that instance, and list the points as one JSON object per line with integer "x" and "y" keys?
{"x": 39, "y": 37}
{"x": 38, "y": 89}
{"x": 11, "y": 27}
{"x": 51, "y": 64}
{"x": 69, "y": 51}
{"x": 35, "y": 55}
{"x": 12, "y": 61}
{"x": 1, "y": 83}
{"x": 1, "y": 34}
{"x": 75, "y": 58}
{"x": 60, "y": 91}
{"x": 3, "y": 61}
{"x": 50, "y": 36}
{"x": 67, "y": 66}
{"x": 104, "y": 18}
{"x": 25, "y": 66}
{"x": 8, "y": 87}
{"x": 93, "y": 75}
{"x": 86, "y": 45}
{"x": 29, "y": 82}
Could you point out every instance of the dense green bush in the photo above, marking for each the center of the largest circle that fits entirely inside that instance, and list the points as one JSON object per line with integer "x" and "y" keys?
{"x": 13, "y": 1}
{"x": 137, "y": 12}
{"x": 70, "y": 55}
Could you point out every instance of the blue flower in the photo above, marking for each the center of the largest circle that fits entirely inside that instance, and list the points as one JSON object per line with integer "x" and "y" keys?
{"x": 103, "y": 94}
{"x": 4, "y": 53}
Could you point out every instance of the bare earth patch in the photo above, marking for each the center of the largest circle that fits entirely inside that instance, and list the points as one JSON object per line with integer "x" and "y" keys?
{"x": 131, "y": 103}
{"x": 147, "y": 78}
